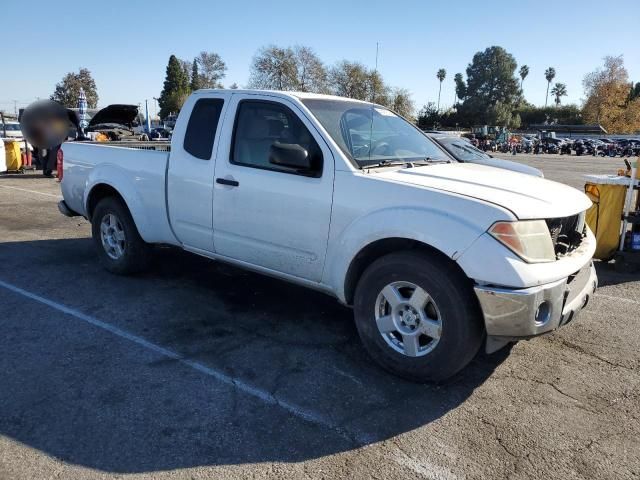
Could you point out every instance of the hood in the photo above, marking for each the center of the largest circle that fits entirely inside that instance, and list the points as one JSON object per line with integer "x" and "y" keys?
{"x": 120, "y": 114}
{"x": 508, "y": 165}
{"x": 528, "y": 197}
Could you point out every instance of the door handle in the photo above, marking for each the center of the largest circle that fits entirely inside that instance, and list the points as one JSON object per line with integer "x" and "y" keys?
{"x": 226, "y": 181}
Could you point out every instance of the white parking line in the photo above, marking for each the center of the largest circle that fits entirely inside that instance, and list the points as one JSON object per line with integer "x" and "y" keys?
{"x": 420, "y": 467}
{"x": 249, "y": 389}
{"x": 618, "y": 299}
{"x": 31, "y": 191}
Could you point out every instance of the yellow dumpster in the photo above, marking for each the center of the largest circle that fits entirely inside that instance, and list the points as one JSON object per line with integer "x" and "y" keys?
{"x": 12, "y": 153}
{"x": 607, "y": 192}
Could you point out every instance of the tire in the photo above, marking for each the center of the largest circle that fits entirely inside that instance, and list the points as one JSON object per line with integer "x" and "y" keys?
{"x": 453, "y": 308}
{"x": 123, "y": 251}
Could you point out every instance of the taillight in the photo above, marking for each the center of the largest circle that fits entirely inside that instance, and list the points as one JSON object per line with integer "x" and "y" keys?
{"x": 60, "y": 164}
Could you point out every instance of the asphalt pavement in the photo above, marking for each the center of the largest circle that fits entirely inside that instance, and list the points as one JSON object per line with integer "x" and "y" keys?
{"x": 196, "y": 369}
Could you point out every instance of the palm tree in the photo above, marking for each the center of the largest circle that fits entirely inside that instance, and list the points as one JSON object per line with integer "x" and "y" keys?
{"x": 559, "y": 90}
{"x": 549, "y": 74}
{"x": 524, "y": 71}
{"x": 441, "y": 75}
{"x": 457, "y": 91}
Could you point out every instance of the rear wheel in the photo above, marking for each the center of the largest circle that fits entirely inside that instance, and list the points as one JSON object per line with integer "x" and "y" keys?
{"x": 120, "y": 248}
{"x": 417, "y": 316}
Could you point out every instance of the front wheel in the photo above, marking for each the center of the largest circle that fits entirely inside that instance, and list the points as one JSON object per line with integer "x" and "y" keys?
{"x": 417, "y": 316}
{"x": 120, "y": 248}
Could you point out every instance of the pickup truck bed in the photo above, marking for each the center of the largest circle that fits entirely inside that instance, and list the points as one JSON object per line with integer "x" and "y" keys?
{"x": 139, "y": 173}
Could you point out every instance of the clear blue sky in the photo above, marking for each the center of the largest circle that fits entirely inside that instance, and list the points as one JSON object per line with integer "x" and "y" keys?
{"x": 126, "y": 44}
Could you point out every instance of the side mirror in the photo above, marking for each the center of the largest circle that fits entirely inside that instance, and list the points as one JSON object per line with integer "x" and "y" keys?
{"x": 290, "y": 155}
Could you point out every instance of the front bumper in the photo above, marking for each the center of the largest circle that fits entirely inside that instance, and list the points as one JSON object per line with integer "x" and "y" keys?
{"x": 514, "y": 314}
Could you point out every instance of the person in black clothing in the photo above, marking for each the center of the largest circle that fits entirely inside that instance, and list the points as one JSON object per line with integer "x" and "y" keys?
{"x": 49, "y": 161}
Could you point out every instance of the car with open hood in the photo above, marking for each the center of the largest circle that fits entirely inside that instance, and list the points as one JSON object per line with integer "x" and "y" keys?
{"x": 116, "y": 121}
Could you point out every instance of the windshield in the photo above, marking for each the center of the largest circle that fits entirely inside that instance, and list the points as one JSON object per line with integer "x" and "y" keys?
{"x": 370, "y": 134}
{"x": 461, "y": 149}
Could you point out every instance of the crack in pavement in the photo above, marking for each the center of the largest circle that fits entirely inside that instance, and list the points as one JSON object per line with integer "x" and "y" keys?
{"x": 499, "y": 440}
{"x": 584, "y": 351}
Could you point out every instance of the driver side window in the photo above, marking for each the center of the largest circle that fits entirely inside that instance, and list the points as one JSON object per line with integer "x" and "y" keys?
{"x": 262, "y": 124}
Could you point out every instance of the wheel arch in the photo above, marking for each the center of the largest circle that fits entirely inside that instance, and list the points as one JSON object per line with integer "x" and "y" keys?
{"x": 100, "y": 188}
{"x": 381, "y": 247}
{"x": 99, "y": 192}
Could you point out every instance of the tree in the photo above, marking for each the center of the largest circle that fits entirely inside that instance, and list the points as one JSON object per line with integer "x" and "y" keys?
{"x": 559, "y": 90}
{"x": 311, "y": 74}
{"x": 297, "y": 68}
{"x": 186, "y": 69}
{"x": 524, "y": 71}
{"x": 549, "y": 74}
{"x": 635, "y": 91}
{"x": 400, "y": 102}
{"x": 560, "y": 115}
{"x": 68, "y": 90}
{"x": 212, "y": 69}
{"x": 274, "y": 68}
{"x": 195, "y": 77}
{"x": 354, "y": 80}
{"x": 175, "y": 89}
{"x": 428, "y": 116}
{"x": 234, "y": 86}
{"x": 349, "y": 79}
{"x": 461, "y": 87}
{"x": 492, "y": 89}
{"x": 441, "y": 75}
{"x": 608, "y": 102}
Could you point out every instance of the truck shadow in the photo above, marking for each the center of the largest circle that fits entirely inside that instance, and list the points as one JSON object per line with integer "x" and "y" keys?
{"x": 89, "y": 398}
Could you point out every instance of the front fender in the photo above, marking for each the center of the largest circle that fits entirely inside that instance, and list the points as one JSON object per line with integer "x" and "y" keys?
{"x": 448, "y": 232}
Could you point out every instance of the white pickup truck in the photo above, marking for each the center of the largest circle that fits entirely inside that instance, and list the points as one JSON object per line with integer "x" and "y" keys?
{"x": 437, "y": 258}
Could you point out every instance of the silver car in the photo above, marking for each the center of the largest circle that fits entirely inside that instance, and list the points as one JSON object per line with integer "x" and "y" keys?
{"x": 462, "y": 150}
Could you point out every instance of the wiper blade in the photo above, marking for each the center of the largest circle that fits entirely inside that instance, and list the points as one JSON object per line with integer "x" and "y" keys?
{"x": 386, "y": 163}
{"x": 406, "y": 163}
{"x": 427, "y": 161}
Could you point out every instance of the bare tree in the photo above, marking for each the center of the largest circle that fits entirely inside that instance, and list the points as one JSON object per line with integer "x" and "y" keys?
{"x": 354, "y": 80}
{"x": 274, "y": 68}
{"x": 311, "y": 72}
{"x": 186, "y": 66}
{"x": 401, "y": 102}
{"x": 212, "y": 69}
{"x": 297, "y": 68}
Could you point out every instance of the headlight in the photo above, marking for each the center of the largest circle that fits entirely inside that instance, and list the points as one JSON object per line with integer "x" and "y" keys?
{"x": 529, "y": 239}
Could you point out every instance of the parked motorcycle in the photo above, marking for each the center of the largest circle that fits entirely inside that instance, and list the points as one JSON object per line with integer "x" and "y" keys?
{"x": 551, "y": 148}
{"x": 565, "y": 148}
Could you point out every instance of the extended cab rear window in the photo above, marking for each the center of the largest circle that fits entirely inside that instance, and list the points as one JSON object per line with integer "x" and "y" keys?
{"x": 202, "y": 126}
